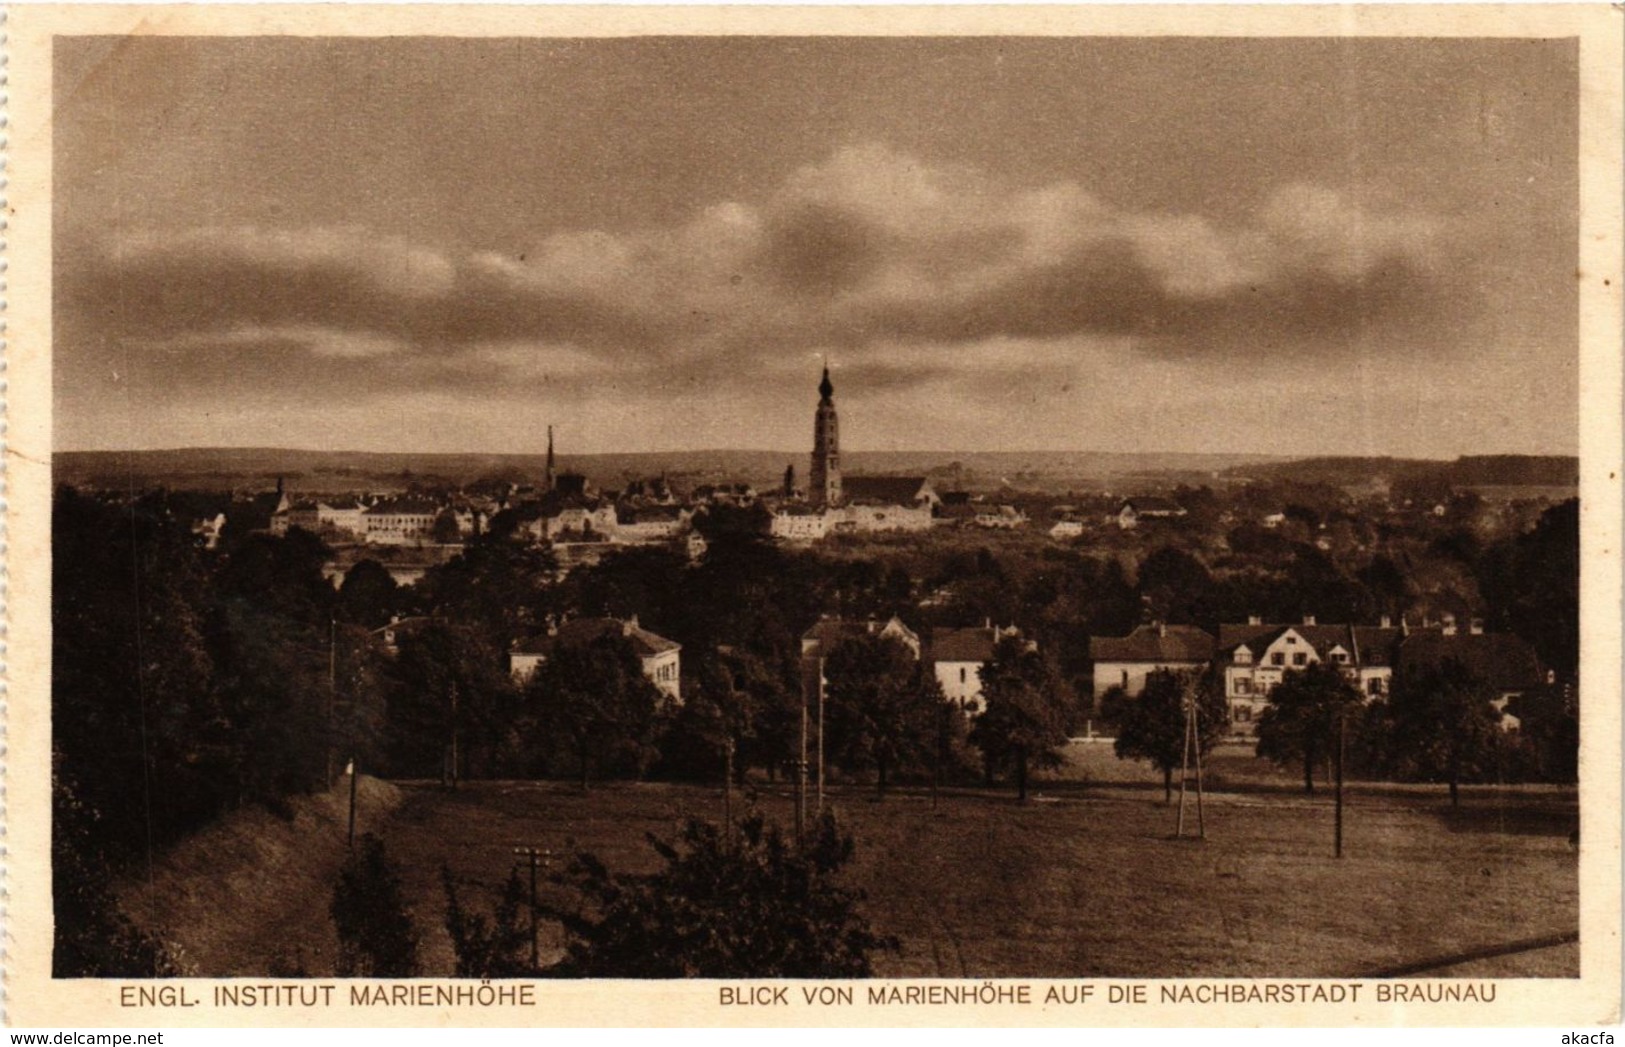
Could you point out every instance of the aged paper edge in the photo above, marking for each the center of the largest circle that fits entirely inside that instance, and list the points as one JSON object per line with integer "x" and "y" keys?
{"x": 34, "y": 999}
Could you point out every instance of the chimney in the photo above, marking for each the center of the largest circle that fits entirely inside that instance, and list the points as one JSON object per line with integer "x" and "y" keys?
{"x": 1476, "y": 626}
{"x": 631, "y": 623}
{"x": 1387, "y": 622}
{"x": 1254, "y": 619}
{"x": 1308, "y": 619}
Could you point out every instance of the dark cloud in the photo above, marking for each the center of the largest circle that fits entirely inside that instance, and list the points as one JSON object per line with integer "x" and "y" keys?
{"x": 864, "y": 252}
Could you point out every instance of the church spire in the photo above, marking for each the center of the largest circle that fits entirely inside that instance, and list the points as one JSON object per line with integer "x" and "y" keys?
{"x": 547, "y": 481}
{"x": 824, "y": 488}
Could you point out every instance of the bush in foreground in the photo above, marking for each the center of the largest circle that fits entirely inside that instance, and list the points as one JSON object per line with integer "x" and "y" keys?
{"x": 748, "y": 904}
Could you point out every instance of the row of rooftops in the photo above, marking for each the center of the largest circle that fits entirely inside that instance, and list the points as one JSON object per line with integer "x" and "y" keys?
{"x": 1502, "y": 657}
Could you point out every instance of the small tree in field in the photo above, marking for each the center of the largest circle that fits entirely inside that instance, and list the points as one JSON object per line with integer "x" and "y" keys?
{"x": 754, "y": 905}
{"x": 1301, "y": 721}
{"x": 594, "y": 698}
{"x": 494, "y": 946}
{"x": 878, "y": 714}
{"x": 1024, "y": 720}
{"x": 376, "y": 935}
{"x": 1152, "y": 726}
{"x": 1444, "y": 719}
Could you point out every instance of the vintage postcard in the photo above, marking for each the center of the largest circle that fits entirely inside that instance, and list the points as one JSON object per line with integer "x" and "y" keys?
{"x": 813, "y": 516}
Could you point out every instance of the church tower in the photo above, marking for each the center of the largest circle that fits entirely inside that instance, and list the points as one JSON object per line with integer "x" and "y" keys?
{"x": 824, "y": 486}
{"x": 548, "y": 479}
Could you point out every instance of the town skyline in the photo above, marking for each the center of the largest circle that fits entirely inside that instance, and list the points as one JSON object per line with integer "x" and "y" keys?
{"x": 1095, "y": 245}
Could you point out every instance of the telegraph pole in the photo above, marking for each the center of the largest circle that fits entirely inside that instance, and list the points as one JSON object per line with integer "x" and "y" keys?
{"x": 535, "y": 855}
{"x": 453, "y": 774}
{"x": 1337, "y": 839}
{"x": 355, "y": 772}
{"x": 332, "y": 689}
{"x": 801, "y": 775}
{"x": 820, "y": 810}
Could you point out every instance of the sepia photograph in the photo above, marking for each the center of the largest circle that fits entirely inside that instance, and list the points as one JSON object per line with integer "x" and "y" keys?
{"x": 913, "y": 508}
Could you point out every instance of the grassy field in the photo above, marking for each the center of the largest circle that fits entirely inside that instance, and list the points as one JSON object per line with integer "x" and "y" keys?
{"x": 1086, "y": 880}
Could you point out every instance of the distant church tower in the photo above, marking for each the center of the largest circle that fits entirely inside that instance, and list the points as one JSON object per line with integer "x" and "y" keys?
{"x": 547, "y": 479}
{"x": 824, "y": 486}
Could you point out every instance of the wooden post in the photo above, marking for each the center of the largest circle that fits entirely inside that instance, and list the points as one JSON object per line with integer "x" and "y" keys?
{"x": 1337, "y": 841}
{"x": 332, "y": 689}
{"x": 454, "y": 734}
{"x": 1184, "y": 768}
{"x": 355, "y": 772}
{"x": 1196, "y": 744}
{"x": 801, "y": 775}
{"x": 820, "y": 808}
{"x": 534, "y": 855}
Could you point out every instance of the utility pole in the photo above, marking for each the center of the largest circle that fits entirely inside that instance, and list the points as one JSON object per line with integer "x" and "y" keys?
{"x": 1337, "y": 839}
{"x": 801, "y": 774}
{"x": 332, "y": 689}
{"x": 535, "y": 855}
{"x": 1192, "y": 744}
{"x": 355, "y": 772}
{"x": 453, "y": 774}
{"x": 820, "y": 810}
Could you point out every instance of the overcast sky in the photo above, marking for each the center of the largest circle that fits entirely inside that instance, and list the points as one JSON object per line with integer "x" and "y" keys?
{"x": 1299, "y": 247}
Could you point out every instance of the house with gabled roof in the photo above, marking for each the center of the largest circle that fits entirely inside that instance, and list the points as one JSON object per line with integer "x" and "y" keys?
{"x": 1126, "y": 661}
{"x": 956, "y": 657}
{"x": 1256, "y": 656}
{"x": 829, "y": 633}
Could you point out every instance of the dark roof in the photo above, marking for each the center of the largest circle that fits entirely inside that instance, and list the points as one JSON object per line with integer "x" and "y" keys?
{"x": 578, "y": 631}
{"x": 1153, "y": 504}
{"x": 404, "y": 507}
{"x": 886, "y": 490}
{"x": 829, "y": 632}
{"x": 956, "y": 498}
{"x": 1149, "y": 643}
{"x": 627, "y": 514}
{"x": 964, "y": 645}
{"x": 1505, "y": 661}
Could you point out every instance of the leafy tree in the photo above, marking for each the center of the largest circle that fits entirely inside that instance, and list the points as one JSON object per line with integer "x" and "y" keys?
{"x": 1152, "y": 726}
{"x": 136, "y": 718}
{"x": 445, "y": 530}
{"x": 93, "y": 937}
{"x": 377, "y": 938}
{"x": 1532, "y": 587}
{"x": 1175, "y": 585}
{"x": 1300, "y": 723}
{"x": 497, "y": 586}
{"x": 1444, "y": 718}
{"x": 875, "y": 711}
{"x": 1549, "y": 723}
{"x": 1024, "y": 720}
{"x": 368, "y": 596}
{"x": 445, "y": 678}
{"x": 749, "y": 904}
{"x": 497, "y": 946}
{"x": 594, "y": 699}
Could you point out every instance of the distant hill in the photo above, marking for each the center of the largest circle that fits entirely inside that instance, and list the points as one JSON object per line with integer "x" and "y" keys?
{"x": 336, "y": 471}
{"x": 1501, "y": 470}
